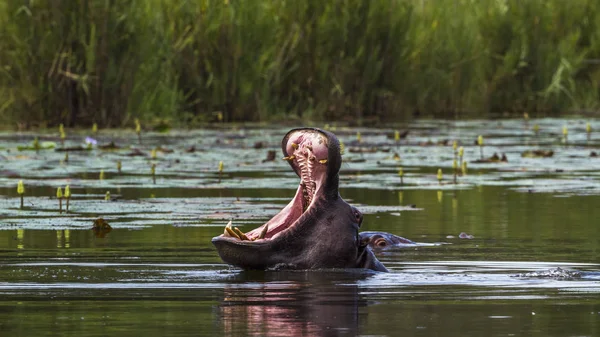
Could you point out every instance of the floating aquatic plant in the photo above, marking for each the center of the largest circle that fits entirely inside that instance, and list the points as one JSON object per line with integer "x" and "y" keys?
{"x": 153, "y": 172}
{"x": 495, "y": 158}
{"x": 455, "y": 169}
{"x": 480, "y": 143}
{"x": 59, "y": 196}
{"x": 138, "y": 130}
{"x": 63, "y": 135}
{"x": 401, "y": 174}
{"x": 67, "y": 196}
{"x": 397, "y": 138}
{"x": 90, "y": 140}
{"x": 537, "y": 154}
{"x": 161, "y": 125}
{"x": 220, "y": 170}
{"x": 455, "y": 149}
{"x": 21, "y": 191}
{"x": 36, "y": 144}
{"x": 101, "y": 228}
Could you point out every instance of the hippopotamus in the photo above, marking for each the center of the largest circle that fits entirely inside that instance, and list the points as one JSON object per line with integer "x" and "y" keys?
{"x": 317, "y": 229}
{"x": 378, "y": 241}
{"x": 383, "y": 240}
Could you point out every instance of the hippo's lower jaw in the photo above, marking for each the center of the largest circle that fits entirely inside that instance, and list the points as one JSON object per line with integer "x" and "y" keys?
{"x": 317, "y": 229}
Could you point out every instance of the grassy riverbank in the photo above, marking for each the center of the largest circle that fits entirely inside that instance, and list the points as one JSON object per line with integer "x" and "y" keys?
{"x": 79, "y": 62}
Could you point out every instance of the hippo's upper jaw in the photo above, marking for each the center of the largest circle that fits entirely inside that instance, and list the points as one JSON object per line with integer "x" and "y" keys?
{"x": 317, "y": 229}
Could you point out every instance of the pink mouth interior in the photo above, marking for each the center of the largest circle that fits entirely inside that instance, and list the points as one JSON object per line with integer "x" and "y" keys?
{"x": 307, "y": 150}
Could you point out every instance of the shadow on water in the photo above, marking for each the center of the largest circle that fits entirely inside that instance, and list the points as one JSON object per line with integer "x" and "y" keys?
{"x": 521, "y": 259}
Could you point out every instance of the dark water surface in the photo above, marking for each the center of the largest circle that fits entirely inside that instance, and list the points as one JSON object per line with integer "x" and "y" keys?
{"x": 156, "y": 273}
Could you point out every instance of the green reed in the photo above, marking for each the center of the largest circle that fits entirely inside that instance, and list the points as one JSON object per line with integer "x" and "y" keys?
{"x": 86, "y": 62}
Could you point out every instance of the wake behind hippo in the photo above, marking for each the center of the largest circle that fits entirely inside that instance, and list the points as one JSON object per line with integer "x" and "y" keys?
{"x": 317, "y": 229}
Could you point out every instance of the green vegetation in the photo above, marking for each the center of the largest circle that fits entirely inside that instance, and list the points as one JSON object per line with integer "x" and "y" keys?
{"x": 109, "y": 62}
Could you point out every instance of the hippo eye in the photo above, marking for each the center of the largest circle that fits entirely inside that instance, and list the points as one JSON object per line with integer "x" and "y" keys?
{"x": 381, "y": 243}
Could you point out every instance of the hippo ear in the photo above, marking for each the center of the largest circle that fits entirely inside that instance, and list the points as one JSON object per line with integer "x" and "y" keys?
{"x": 366, "y": 259}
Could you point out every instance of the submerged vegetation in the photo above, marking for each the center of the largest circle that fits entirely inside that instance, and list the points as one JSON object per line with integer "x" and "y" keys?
{"x": 110, "y": 62}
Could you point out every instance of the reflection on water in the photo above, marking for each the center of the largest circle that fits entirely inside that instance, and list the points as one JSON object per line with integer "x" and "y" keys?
{"x": 291, "y": 304}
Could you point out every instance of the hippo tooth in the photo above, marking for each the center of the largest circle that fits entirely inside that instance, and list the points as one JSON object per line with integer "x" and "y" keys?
{"x": 264, "y": 231}
{"x": 225, "y": 232}
{"x": 323, "y": 161}
{"x": 289, "y": 158}
{"x": 295, "y": 146}
{"x": 229, "y": 231}
{"x": 240, "y": 234}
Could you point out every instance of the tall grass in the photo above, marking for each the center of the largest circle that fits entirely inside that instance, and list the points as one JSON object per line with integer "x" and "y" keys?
{"x": 106, "y": 61}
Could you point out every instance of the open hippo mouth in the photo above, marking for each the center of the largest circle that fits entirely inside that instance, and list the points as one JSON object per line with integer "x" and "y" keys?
{"x": 307, "y": 151}
{"x": 317, "y": 229}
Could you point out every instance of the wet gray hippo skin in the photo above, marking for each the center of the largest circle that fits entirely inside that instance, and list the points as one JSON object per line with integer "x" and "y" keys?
{"x": 317, "y": 229}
